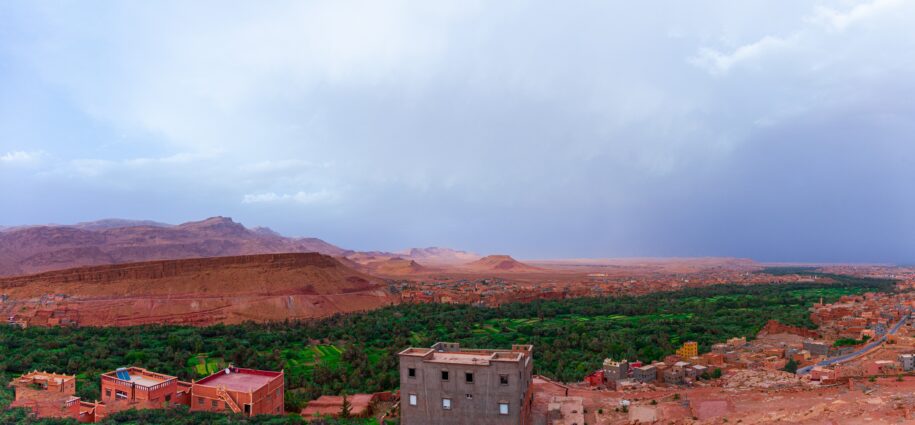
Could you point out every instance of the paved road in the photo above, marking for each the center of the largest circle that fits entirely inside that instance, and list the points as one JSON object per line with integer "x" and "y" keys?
{"x": 863, "y": 350}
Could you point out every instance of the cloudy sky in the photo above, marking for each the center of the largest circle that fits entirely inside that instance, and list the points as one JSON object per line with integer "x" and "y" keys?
{"x": 780, "y": 131}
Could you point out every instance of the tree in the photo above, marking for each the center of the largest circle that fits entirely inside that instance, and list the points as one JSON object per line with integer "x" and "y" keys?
{"x": 791, "y": 366}
{"x": 717, "y": 372}
{"x": 346, "y": 409}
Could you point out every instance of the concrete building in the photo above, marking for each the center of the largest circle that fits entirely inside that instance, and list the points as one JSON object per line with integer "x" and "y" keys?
{"x": 448, "y": 385}
{"x": 674, "y": 376}
{"x": 816, "y": 348}
{"x": 648, "y": 373}
{"x": 247, "y": 391}
{"x": 908, "y": 362}
{"x": 614, "y": 371}
{"x": 689, "y": 350}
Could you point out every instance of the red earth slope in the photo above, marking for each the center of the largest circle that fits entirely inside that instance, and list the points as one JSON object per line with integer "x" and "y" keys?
{"x": 196, "y": 291}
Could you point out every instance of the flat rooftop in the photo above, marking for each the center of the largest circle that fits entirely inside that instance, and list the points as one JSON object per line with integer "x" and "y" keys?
{"x": 142, "y": 377}
{"x": 452, "y": 353}
{"x": 242, "y": 381}
{"x": 47, "y": 376}
{"x": 461, "y": 358}
{"x": 146, "y": 381}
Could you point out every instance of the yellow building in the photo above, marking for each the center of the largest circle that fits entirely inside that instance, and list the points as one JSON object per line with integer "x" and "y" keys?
{"x": 689, "y": 350}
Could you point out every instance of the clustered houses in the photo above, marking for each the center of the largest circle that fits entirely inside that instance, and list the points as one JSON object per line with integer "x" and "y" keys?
{"x": 244, "y": 391}
{"x": 449, "y": 385}
{"x": 857, "y": 316}
{"x": 622, "y": 374}
{"x": 777, "y": 345}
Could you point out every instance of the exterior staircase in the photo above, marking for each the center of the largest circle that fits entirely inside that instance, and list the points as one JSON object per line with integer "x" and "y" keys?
{"x": 221, "y": 392}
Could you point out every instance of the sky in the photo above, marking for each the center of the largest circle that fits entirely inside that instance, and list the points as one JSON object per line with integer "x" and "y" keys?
{"x": 779, "y": 131}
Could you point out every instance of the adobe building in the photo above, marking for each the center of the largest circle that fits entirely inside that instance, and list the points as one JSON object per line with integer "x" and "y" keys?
{"x": 44, "y": 381}
{"x": 448, "y": 385}
{"x": 134, "y": 384}
{"x": 247, "y": 391}
{"x": 47, "y": 395}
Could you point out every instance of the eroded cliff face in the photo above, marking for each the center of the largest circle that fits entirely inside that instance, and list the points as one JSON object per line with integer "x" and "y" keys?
{"x": 194, "y": 291}
{"x": 36, "y": 249}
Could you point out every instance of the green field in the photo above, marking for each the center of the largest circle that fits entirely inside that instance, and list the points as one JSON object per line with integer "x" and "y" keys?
{"x": 202, "y": 365}
{"x": 306, "y": 358}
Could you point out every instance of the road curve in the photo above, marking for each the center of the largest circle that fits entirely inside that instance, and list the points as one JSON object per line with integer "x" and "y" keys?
{"x": 858, "y": 353}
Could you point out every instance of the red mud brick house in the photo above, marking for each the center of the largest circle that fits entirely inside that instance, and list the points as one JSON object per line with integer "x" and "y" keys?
{"x": 247, "y": 391}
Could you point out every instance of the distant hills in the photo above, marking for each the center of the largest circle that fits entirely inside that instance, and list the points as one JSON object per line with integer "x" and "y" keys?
{"x": 40, "y": 248}
{"x": 34, "y": 249}
{"x": 436, "y": 256}
{"x": 500, "y": 263}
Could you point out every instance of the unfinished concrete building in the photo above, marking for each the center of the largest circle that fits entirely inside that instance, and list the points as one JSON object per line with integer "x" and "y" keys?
{"x": 615, "y": 371}
{"x": 448, "y": 385}
{"x": 647, "y": 373}
{"x": 817, "y": 348}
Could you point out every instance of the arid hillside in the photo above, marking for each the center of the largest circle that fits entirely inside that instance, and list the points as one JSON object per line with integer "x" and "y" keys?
{"x": 194, "y": 291}
{"x": 437, "y": 256}
{"x": 35, "y": 249}
{"x": 499, "y": 263}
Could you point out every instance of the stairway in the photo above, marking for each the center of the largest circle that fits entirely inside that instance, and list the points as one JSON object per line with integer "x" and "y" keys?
{"x": 221, "y": 392}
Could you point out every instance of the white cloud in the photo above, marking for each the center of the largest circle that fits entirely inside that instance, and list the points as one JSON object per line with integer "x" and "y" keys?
{"x": 20, "y": 157}
{"x": 839, "y": 21}
{"x": 301, "y": 197}
{"x": 718, "y": 63}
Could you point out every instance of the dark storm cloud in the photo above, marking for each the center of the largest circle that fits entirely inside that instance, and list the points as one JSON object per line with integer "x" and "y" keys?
{"x": 539, "y": 129}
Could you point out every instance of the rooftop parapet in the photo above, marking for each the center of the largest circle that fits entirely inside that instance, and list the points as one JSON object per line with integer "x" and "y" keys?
{"x": 449, "y": 352}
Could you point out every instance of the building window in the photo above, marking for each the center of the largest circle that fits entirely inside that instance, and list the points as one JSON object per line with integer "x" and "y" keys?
{"x": 200, "y": 400}
{"x": 503, "y": 379}
{"x": 118, "y": 394}
{"x": 168, "y": 398}
{"x": 444, "y": 375}
{"x": 468, "y": 376}
{"x": 214, "y": 403}
{"x": 411, "y": 372}
{"x": 446, "y": 403}
{"x": 107, "y": 392}
{"x": 469, "y": 396}
{"x": 412, "y": 399}
{"x": 503, "y": 408}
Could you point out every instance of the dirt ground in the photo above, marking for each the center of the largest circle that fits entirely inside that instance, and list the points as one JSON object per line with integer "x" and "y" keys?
{"x": 885, "y": 401}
